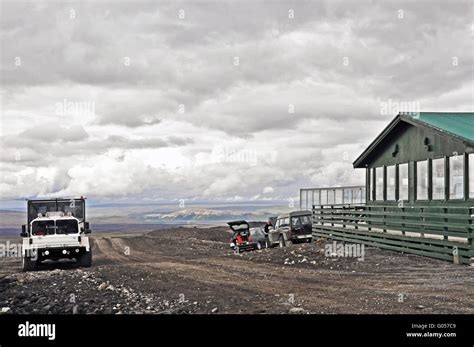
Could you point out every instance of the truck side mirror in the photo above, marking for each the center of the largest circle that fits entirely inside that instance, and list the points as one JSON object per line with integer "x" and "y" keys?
{"x": 86, "y": 228}
{"x": 23, "y": 231}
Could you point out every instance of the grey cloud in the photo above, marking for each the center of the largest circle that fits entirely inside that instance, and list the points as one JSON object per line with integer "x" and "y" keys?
{"x": 190, "y": 61}
{"x": 54, "y": 132}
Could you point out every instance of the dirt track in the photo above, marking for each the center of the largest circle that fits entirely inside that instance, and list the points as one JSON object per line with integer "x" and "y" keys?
{"x": 191, "y": 270}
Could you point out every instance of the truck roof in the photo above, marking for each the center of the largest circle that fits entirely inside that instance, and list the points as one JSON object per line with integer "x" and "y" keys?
{"x": 56, "y": 199}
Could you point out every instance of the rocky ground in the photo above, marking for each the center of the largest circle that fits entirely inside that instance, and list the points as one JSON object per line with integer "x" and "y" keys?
{"x": 191, "y": 270}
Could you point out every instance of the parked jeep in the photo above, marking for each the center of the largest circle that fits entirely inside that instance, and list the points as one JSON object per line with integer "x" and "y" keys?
{"x": 291, "y": 228}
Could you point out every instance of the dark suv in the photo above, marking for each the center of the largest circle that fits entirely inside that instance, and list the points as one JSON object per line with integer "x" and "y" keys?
{"x": 291, "y": 227}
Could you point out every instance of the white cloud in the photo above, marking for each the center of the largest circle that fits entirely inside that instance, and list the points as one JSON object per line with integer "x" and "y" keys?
{"x": 267, "y": 190}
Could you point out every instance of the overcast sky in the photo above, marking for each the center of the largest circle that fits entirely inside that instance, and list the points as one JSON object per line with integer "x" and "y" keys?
{"x": 217, "y": 100}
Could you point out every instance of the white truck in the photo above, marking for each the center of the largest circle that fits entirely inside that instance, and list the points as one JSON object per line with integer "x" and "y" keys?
{"x": 56, "y": 229}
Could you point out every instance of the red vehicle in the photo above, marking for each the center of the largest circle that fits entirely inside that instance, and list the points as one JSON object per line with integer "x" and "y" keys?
{"x": 241, "y": 240}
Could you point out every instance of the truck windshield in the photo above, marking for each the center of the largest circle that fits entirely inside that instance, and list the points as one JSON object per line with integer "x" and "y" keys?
{"x": 41, "y": 228}
{"x": 67, "y": 226}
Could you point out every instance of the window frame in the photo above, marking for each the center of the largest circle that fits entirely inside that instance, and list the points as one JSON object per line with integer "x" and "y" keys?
{"x": 382, "y": 169}
{"x": 444, "y": 196}
{"x": 427, "y": 197}
{"x": 394, "y": 183}
{"x": 400, "y": 182}
{"x": 470, "y": 176}
{"x": 463, "y": 197}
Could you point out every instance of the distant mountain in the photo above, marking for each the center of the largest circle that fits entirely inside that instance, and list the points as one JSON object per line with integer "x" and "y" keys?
{"x": 12, "y": 219}
{"x": 205, "y": 215}
{"x": 138, "y": 216}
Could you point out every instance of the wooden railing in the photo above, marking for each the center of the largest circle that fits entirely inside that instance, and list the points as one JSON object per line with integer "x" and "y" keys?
{"x": 439, "y": 232}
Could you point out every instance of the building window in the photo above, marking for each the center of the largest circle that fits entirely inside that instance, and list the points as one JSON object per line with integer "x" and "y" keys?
{"x": 439, "y": 179}
{"x": 422, "y": 180}
{"x": 372, "y": 184}
{"x": 403, "y": 181}
{"x": 379, "y": 183}
{"x": 456, "y": 177}
{"x": 471, "y": 176}
{"x": 391, "y": 182}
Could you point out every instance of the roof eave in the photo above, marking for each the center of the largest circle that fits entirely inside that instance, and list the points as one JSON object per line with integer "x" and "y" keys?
{"x": 410, "y": 120}
{"x": 357, "y": 163}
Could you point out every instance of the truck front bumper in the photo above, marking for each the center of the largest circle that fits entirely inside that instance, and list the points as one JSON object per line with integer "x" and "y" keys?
{"x": 60, "y": 252}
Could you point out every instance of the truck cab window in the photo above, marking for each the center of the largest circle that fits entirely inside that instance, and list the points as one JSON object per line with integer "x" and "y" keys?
{"x": 41, "y": 228}
{"x": 67, "y": 226}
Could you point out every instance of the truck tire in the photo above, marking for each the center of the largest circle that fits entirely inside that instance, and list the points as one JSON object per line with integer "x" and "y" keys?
{"x": 281, "y": 241}
{"x": 28, "y": 264}
{"x": 85, "y": 260}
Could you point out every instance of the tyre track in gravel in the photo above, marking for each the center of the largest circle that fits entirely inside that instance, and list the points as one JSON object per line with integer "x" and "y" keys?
{"x": 226, "y": 275}
{"x": 319, "y": 288}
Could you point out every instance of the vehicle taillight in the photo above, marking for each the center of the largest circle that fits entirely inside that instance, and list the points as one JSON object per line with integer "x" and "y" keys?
{"x": 250, "y": 238}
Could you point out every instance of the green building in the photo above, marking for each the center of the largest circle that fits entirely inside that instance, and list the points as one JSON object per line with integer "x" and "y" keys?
{"x": 422, "y": 159}
{"x": 419, "y": 191}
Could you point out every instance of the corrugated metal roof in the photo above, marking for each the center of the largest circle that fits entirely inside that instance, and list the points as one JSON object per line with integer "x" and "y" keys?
{"x": 458, "y": 124}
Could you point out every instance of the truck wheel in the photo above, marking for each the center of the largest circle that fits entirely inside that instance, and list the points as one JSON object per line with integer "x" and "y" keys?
{"x": 28, "y": 264}
{"x": 281, "y": 241}
{"x": 85, "y": 260}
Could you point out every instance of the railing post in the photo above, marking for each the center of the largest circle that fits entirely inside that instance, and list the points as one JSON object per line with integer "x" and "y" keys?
{"x": 369, "y": 223}
{"x": 332, "y": 215}
{"x": 445, "y": 220}
{"x": 470, "y": 236}
{"x": 384, "y": 219}
{"x": 343, "y": 216}
{"x": 403, "y": 218}
{"x": 422, "y": 210}
{"x": 321, "y": 214}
